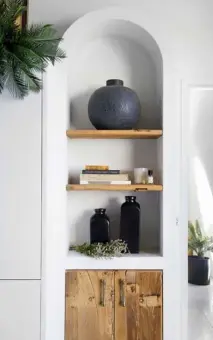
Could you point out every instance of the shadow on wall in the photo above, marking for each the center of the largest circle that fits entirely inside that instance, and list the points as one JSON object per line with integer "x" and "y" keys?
{"x": 79, "y": 110}
{"x": 113, "y": 210}
{"x": 202, "y": 137}
{"x": 82, "y": 233}
{"x": 203, "y": 162}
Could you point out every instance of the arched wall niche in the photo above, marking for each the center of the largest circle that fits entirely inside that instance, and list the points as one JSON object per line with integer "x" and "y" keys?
{"x": 102, "y": 45}
{"x": 66, "y": 215}
{"x": 99, "y": 48}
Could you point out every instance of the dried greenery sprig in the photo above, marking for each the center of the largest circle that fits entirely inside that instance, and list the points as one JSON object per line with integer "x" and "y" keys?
{"x": 102, "y": 250}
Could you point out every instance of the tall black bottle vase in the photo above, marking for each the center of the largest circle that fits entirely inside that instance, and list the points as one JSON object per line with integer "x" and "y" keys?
{"x": 130, "y": 224}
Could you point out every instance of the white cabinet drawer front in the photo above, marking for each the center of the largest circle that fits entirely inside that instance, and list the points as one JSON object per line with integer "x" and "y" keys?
{"x": 20, "y": 310}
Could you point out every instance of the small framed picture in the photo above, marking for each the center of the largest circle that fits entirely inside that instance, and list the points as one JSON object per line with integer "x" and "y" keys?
{"x": 22, "y": 20}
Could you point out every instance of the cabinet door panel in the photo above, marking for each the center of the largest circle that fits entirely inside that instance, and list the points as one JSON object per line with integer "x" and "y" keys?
{"x": 20, "y": 182}
{"x": 19, "y": 310}
{"x": 138, "y": 305}
{"x": 89, "y": 305}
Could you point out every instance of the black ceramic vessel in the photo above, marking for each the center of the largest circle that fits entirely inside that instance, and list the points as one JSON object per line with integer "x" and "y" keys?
{"x": 130, "y": 223}
{"x": 199, "y": 270}
{"x": 114, "y": 107}
{"x": 99, "y": 227}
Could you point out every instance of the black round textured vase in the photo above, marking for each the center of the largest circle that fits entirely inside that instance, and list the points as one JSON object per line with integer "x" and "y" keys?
{"x": 199, "y": 270}
{"x": 130, "y": 223}
{"x": 114, "y": 107}
{"x": 99, "y": 227}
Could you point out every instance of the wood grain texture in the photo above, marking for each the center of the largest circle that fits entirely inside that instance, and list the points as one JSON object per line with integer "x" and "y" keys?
{"x": 141, "y": 318}
{"x": 120, "y": 311}
{"x": 86, "y": 318}
{"x": 114, "y": 187}
{"x": 114, "y": 134}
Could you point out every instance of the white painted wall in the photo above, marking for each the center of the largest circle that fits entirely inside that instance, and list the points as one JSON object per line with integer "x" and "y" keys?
{"x": 200, "y": 198}
{"x": 186, "y": 28}
{"x": 201, "y": 165}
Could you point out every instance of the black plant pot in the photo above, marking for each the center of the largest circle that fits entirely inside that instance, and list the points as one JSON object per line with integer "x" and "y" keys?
{"x": 199, "y": 270}
{"x": 114, "y": 107}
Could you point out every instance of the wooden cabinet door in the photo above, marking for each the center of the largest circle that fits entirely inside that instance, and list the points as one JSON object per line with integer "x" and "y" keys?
{"x": 138, "y": 305}
{"x": 89, "y": 305}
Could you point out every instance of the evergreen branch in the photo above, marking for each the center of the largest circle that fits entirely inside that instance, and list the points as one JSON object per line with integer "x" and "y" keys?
{"x": 14, "y": 84}
{"x": 24, "y": 51}
{"x": 102, "y": 250}
{"x": 11, "y": 10}
{"x": 40, "y": 34}
{"x": 30, "y": 57}
{"x": 31, "y": 82}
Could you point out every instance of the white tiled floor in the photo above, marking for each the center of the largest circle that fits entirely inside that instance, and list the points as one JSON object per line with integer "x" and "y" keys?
{"x": 200, "y": 326}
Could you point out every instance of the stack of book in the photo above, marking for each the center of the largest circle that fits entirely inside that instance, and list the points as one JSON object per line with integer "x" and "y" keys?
{"x": 101, "y": 174}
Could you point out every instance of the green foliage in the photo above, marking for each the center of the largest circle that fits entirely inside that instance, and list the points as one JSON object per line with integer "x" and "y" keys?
{"x": 197, "y": 242}
{"x": 99, "y": 250}
{"x": 24, "y": 52}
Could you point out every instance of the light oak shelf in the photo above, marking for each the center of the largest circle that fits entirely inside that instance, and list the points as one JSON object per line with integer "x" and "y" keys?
{"x": 114, "y": 187}
{"x": 114, "y": 134}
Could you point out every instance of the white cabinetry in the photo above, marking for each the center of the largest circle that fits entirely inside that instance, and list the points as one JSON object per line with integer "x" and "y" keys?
{"x": 20, "y": 183}
{"x": 19, "y": 310}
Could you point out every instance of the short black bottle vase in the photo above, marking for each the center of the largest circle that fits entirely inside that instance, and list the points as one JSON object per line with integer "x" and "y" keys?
{"x": 99, "y": 227}
{"x": 130, "y": 224}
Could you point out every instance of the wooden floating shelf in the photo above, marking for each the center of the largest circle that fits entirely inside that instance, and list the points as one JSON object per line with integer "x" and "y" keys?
{"x": 114, "y": 134}
{"x": 114, "y": 187}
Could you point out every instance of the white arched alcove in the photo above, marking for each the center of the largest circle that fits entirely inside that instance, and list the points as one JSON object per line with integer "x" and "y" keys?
{"x": 110, "y": 43}
{"x": 113, "y": 48}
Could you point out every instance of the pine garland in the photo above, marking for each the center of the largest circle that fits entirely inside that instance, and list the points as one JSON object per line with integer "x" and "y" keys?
{"x": 102, "y": 250}
{"x": 25, "y": 52}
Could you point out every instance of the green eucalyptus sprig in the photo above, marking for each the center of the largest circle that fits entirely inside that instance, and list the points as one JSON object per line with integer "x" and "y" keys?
{"x": 102, "y": 250}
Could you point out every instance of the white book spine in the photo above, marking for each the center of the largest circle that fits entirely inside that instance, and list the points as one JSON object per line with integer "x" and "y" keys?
{"x": 106, "y": 182}
{"x": 103, "y": 177}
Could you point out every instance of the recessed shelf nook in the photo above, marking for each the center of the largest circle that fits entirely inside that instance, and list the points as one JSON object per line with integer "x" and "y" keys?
{"x": 124, "y": 44}
{"x": 115, "y": 48}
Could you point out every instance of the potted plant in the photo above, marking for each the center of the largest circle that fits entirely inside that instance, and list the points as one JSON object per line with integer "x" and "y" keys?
{"x": 198, "y": 264}
{"x": 24, "y": 51}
